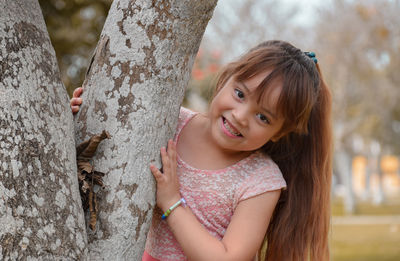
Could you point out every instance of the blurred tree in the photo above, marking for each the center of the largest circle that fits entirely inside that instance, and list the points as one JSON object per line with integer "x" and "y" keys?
{"x": 239, "y": 25}
{"x": 360, "y": 53}
{"x": 358, "y": 46}
{"x": 74, "y": 27}
{"x": 203, "y": 76}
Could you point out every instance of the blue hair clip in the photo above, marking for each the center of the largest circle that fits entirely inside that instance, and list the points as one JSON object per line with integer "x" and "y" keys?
{"x": 312, "y": 56}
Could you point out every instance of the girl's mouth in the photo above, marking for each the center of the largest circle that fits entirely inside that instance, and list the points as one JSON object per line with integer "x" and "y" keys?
{"x": 229, "y": 129}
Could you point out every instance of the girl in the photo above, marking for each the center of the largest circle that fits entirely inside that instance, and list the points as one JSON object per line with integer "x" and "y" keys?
{"x": 256, "y": 167}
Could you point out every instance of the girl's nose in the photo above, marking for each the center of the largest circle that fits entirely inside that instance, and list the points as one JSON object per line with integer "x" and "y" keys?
{"x": 240, "y": 115}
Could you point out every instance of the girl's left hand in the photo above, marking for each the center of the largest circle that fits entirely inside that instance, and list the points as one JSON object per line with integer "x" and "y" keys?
{"x": 167, "y": 180}
{"x": 76, "y": 101}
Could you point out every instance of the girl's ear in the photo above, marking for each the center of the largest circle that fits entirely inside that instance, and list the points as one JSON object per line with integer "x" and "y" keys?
{"x": 277, "y": 136}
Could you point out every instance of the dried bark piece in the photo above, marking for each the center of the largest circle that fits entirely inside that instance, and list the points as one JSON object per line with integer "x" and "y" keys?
{"x": 88, "y": 177}
{"x": 81, "y": 147}
{"x": 97, "y": 178}
{"x": 85, "y": 166}
{"x": 92, "y": 209}
{"x": 87, "y": 149}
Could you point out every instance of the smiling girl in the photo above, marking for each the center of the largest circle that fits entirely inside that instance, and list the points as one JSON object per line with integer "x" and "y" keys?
{"x": 255, "y": 168}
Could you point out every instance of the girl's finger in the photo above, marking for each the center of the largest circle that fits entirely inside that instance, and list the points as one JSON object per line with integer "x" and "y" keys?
{"x": 165, "y": 161}
{"x": 173, "y": 156}
{"x": 76, "y": 101}
{"x": 170, "y": 149}
{"x": 156, "y": 172}
{"x": 77, "y": 92}
{"x": 74, "y": 109}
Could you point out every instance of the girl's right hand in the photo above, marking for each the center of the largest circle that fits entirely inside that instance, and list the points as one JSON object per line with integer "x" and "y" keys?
{"x": 167, "y": 180}
{"x": 76, "y": 101}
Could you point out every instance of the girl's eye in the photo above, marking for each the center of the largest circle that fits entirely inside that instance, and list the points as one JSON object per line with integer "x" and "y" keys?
{"x": 239, "y": 93}
{"x": 263, "y": 118}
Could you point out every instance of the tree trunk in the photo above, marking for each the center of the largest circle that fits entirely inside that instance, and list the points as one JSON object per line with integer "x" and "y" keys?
{"x": 343, "y": 161}
{"x": 40, "y": 210}
{"x": 134, "y": 87}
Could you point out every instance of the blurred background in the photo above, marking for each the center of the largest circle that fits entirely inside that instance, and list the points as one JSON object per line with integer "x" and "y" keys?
{"x": 357, "y": 43}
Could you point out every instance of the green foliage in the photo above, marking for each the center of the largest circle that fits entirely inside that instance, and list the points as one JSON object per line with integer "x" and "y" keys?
{"x": 74, "y": 27}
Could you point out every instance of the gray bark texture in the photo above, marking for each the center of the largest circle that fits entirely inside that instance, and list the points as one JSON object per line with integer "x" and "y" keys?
{"x": 134, "y": 87}
{"x": 41, "y": 216}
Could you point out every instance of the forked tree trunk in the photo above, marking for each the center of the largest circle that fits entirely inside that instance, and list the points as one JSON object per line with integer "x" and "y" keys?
{"x": 134, "y": 88}
{"x": 41, "y": 217}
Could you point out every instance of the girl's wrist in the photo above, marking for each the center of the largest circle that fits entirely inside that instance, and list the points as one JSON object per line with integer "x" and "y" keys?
{"x": 180, "y": 202}
{"x": 170, "y": 203}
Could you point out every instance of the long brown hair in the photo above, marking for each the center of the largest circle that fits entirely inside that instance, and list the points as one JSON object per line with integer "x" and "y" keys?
{"x": 300, "y": 224}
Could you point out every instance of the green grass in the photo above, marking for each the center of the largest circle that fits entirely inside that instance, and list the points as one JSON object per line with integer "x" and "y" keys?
{"x": 371, "y": 242}
{"x": 365, "y": 242}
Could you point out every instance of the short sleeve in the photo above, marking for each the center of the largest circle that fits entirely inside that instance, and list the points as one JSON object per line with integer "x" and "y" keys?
{"x": 266, "y": 178}
{"x": 184, "y": 116}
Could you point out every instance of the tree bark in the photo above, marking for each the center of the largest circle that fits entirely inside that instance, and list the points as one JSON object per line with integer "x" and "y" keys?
{"x": 134, "y": 87}
{"x": 40, "y": 210}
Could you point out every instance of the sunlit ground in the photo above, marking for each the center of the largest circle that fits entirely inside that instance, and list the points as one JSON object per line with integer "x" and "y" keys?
{"x": 372, "y": 234}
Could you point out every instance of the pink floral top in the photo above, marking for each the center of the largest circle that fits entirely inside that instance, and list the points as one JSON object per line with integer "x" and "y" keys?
{"x": 212, "y": 195}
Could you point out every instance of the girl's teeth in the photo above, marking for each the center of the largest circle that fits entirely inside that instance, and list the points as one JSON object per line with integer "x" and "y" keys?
{"x": 228, "y": 127}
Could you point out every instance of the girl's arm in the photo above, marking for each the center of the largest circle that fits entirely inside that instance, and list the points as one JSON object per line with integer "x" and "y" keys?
{"x": 244, "y": 234}
{"x": 76, "y": 101}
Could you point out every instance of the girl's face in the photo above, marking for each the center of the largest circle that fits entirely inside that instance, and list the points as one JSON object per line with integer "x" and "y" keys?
{"x": 238, "y": 121}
